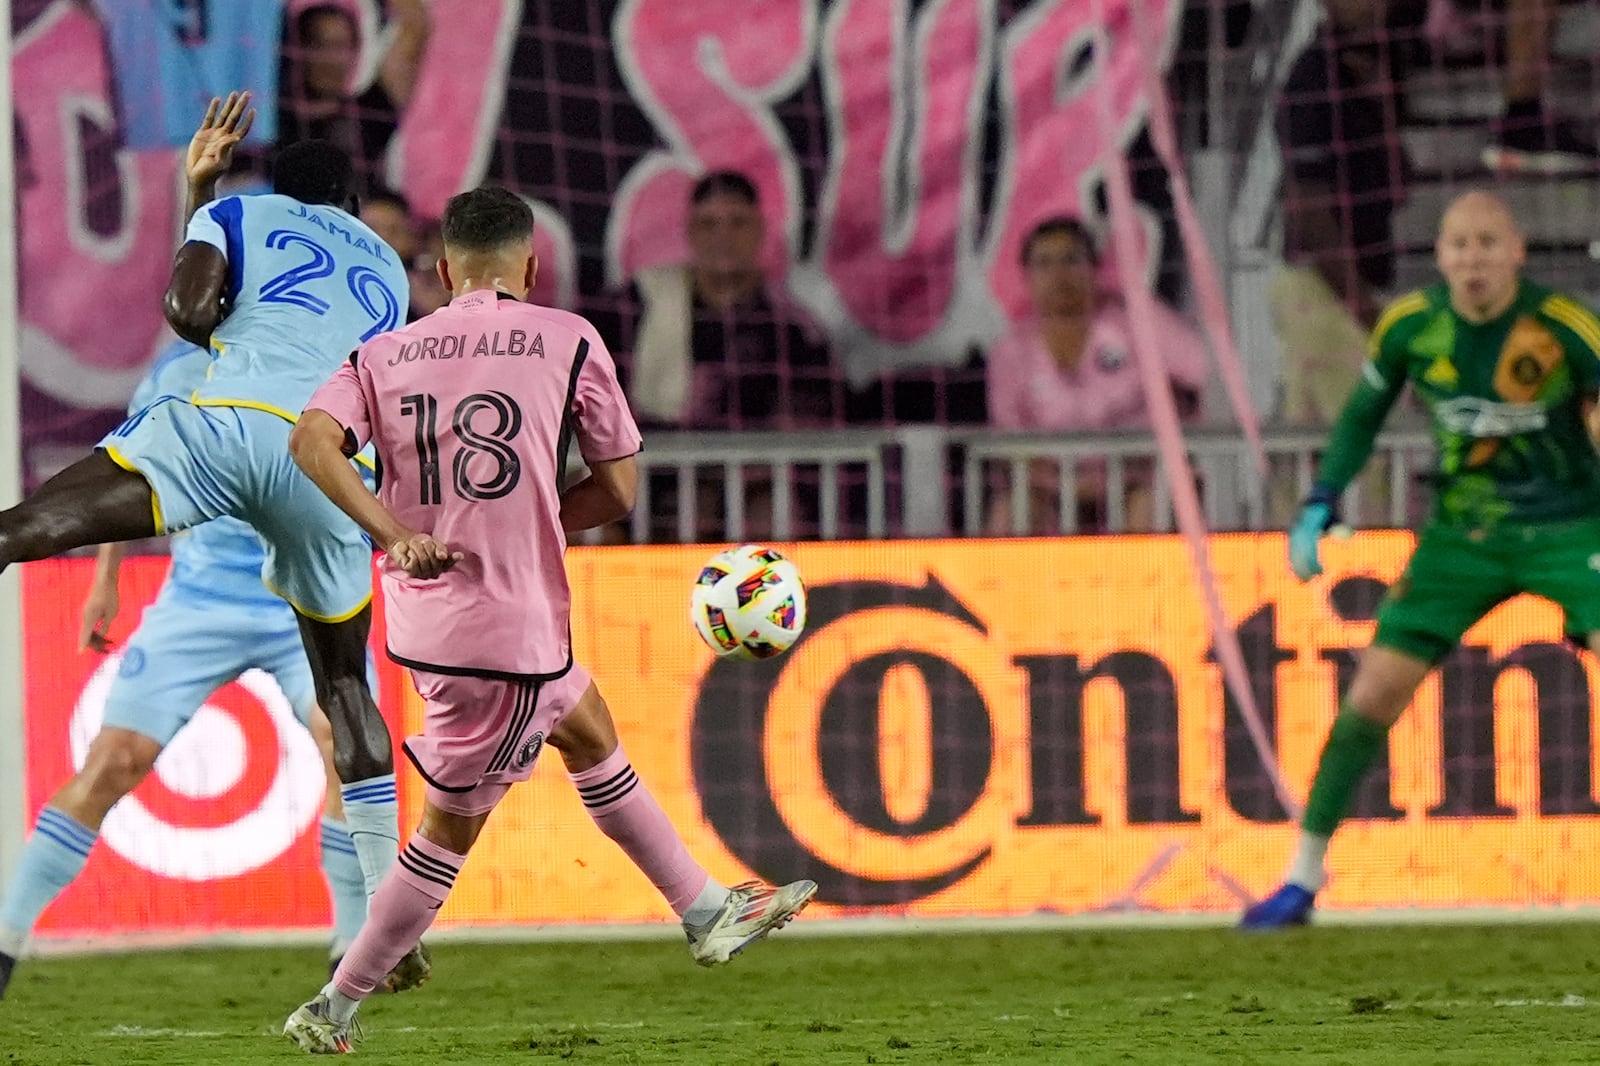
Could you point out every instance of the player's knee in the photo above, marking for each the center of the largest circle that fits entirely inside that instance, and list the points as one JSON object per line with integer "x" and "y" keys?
{"x": 1384, "y": 684}
{"x": 586, "y": 736}
{"x": 452, "y": 832}
{"x": 117, "y": 762}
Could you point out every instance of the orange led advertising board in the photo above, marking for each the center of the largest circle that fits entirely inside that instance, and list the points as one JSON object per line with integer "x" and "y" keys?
{"x": 966, "y": 728}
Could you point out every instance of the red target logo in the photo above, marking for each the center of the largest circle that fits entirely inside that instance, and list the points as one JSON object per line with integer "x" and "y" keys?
{"x": 233, "y": 791}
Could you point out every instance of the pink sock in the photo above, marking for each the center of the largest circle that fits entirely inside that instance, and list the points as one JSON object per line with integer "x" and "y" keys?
{"x": 626, "y": 812}
{"x": 400, "y": 912}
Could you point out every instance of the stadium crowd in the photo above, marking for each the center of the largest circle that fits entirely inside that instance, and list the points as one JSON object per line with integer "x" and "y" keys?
{"x": 717, "y": 342}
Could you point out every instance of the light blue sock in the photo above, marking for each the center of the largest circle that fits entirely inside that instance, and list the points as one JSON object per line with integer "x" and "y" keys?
{"x": 347, "y": 888}
{"x": 372, "y": 817}
{"x": 52, "y": 858}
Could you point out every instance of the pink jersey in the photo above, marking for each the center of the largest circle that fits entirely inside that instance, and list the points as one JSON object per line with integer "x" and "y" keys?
{"x": 1029, "y": 390}
{"x": 470, "y": 411}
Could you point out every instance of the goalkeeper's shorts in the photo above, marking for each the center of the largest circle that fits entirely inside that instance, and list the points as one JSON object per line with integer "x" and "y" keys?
{"x": 1457, "y": 575}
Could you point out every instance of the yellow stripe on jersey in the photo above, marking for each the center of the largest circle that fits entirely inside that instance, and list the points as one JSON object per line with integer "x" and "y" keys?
{"x": 256, "y": 405}
{"x": 1405, "y": 307}
{"x": 1576, "y": 317}
{"x": 253, "y": 405}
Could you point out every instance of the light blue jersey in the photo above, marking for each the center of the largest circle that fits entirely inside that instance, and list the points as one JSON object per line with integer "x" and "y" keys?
{"x": 306, "y": 287}
{"x": 219, "y": 561}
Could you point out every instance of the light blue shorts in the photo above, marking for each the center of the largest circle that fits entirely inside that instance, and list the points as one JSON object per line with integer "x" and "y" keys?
{"x": 189, "y": 645}
{"x": 206, "y": 462}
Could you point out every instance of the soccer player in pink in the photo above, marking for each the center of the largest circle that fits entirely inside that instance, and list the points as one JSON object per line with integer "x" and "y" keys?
{"x": 471, "y": 411}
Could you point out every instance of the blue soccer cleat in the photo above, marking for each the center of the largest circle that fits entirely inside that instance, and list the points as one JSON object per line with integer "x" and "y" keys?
{"x": 1289, "y": 905}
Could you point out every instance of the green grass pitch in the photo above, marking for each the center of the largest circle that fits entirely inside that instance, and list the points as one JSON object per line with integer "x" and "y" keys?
{"x": 1523, "y": 993}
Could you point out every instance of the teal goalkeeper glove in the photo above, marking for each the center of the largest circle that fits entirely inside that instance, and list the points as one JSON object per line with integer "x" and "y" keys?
{"x": 1317, "y": 515}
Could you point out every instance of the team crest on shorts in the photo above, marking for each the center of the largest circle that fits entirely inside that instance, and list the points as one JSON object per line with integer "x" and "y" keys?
{"x": 132, "y": 663}
{"x": 530, "y": 750}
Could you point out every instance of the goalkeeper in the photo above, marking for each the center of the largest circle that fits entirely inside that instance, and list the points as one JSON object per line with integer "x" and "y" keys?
{"x": 1509, "y": 372}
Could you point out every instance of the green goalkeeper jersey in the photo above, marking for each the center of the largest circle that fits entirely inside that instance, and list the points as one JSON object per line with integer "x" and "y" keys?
{"x": 1506, "y": 399}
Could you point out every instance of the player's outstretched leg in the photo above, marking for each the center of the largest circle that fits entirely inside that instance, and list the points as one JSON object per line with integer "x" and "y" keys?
{"x": 93, "y": 501}
{"x": 65, "y": 833}
{"x": 363, "y": 757}
{"x": 401, "y": 911}
{"x": 1380, "y": 693}
{"x": 719, "y": 922}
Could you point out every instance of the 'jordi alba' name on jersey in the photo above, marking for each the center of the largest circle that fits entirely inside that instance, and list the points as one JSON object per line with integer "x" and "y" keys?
{"x": 306, "y": 287}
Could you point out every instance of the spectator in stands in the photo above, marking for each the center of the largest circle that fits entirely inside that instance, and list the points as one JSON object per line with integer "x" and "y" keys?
{"x": 1345, "y": 172}
{"x": 427, "y": 294}
{"x": 710, "y": 344}
{"x": 1526, "y": 138}
{"x": 316, "y": 99}
{"x": 1069, "y": 366}
{"x": 389, "y": 215}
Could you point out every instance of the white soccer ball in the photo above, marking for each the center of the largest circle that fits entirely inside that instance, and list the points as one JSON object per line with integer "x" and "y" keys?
{"x": 748, "y": 603}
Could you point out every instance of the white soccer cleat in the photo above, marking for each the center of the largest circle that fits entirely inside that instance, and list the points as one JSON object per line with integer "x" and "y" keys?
{"x": 753, "y": 910}
{"x": 311, "y": 1027}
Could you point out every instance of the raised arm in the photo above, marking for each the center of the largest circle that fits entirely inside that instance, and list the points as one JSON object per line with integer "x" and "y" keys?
{"x": 210, "y": 154}
{"x": 194, "y": 301}
{"x": 398, "y": 74}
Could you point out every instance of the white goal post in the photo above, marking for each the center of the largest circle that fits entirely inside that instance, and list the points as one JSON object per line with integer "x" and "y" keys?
{"x": 13, "y": 792}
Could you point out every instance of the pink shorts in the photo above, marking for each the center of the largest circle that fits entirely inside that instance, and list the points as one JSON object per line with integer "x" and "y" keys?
{"x": 480, "y": 736}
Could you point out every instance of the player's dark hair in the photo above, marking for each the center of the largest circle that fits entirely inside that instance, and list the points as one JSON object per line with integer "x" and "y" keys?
{"x": 1061, "y": 225}
{"x": 313, "y": 172}
{"x": 725, "y": 183}
{"x": 382, "y": 194}
{"x": 481, "y": 220}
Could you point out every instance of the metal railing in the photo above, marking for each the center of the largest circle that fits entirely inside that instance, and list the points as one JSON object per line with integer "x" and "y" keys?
{"x": 926, "y": 481}
{"x": 775, "y": 474}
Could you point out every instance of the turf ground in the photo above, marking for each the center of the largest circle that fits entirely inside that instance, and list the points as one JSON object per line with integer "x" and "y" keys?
{"x": 1523, "y": 994}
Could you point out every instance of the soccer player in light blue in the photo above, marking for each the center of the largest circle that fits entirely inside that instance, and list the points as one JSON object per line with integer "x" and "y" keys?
{"x": 281, "y": 287}
{"x": 212, "y": 621}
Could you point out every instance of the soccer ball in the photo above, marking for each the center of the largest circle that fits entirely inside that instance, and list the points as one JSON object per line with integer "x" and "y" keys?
{"x": 748, "y": 603}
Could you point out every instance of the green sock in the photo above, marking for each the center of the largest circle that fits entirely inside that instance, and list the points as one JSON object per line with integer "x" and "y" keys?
{"x": 1354, "y": 744}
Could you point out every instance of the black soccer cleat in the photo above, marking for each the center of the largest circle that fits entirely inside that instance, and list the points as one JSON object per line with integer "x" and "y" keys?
{"x": 8, "y": 963}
